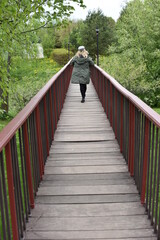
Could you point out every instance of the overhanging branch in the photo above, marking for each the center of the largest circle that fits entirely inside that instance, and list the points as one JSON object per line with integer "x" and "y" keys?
{"x": 35, "y": 29}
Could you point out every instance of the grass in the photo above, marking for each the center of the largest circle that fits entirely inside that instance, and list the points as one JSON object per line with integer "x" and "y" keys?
{"x": 3, "y": 123}
{"x": 27, "y": 77}
{"x": 157, "y": 110}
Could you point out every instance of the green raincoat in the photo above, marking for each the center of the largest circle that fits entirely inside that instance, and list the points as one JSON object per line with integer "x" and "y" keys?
{"x": 81, "y": 71}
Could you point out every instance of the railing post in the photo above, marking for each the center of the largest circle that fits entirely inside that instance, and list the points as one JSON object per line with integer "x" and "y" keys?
{"x": 51, "y": 110}
{"x": 104, "y": 95}
{"x": 115, "y": 113}
{"x": 28, "y": 165}
{"x": 55, "y": 109}
{"x": 111, "y": 105}
{"x": 11, "y": 192}
{"x": 39, "y": 140}
{"x": 131, "y": 138}
{"x": 46, "y": 125}
{"x": 146, "y": 152}
{"x": 107, "y": 98}
{"x": 133, "y": 141}
{"x": 121, "y": 130}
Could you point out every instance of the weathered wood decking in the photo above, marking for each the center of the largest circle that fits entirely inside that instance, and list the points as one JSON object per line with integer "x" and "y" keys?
{"x": 87, "y": 192}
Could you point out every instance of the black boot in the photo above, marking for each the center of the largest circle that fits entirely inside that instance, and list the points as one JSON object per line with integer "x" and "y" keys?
{"x": 83, "y": 100}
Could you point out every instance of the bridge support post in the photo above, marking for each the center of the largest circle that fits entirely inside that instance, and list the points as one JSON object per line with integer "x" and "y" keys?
{"x": 46, "y": 125}
{"x": 11, "y": 192}
{"x": 28, "y": 165}
{"x": 51, "y": 110}
{"x": 145, "y": 160}
{"x": 131, "y": 138}
{"x": 121, "y": 130}
{"x": 39, "y": 140}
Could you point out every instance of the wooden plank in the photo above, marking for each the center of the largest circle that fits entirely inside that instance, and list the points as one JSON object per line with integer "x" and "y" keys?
{"x": 88, "y": 210}
{"x": 80, "y": 177}
{"x": 83, "y": 147}
{"x": 74, "y": 199}
{"x": 138, "y": 234}
{"x": 75, "y": 136}
{"x": 89, "y": 223}
{"x": 87, "y": 182}
{"x": 88, "y": 190}
{"x": 78, "y": 129}
{"x": 85, "y": 150}
{"x": 85, "y": 156}
{"x": 86, "y": 169}
{"x": 60, "y": 163}
{"x": 91, "y": 145}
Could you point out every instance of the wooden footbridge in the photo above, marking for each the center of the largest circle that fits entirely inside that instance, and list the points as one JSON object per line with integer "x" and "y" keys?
{"x": 72, "y": 170}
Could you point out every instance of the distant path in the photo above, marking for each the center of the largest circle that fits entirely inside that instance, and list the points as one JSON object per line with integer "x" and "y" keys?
{"x": 87, "y": 192}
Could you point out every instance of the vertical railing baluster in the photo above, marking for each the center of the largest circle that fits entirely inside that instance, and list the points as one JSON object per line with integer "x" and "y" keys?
{"x": 154, "y": 178}
{"x": 145, "y": 160}
{"x": 39, "y": 139}
{"x": 24, "y": 177}
{"x": 51, "y": 110}
{"x": 28, "y": 164}
{"x": 55, "y": 105}
{"x": 11, "y": 192}
{"x": 148, "y": 170}
{"x": 157, "y": 173}
{"x": 116, "y": 114}
{"x": 6, "y": 231}
{"x": 122, "y": 124}
{"x": 132, "y": 140}
{"x": 46, "y": 125}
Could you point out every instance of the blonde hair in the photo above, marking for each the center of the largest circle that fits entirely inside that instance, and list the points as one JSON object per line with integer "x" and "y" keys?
{"x": 83, "y": 53}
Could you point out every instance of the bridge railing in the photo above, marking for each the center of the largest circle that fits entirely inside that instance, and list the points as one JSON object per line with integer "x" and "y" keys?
{"x": 24, "y": 147}
{"x": 137, "y": 130}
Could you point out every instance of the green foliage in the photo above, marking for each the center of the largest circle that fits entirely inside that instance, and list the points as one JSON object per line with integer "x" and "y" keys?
{"x": 106, "y": 26}
{"x": 27, "y": 78}
{"x": 134, "y": 58}
{"x": 76, "y": 36}
{"x": 60, "y": 55}
{"x": 47, "y": 40}
{"x": 19, "y": 22}
{"x": 157, "y": 110}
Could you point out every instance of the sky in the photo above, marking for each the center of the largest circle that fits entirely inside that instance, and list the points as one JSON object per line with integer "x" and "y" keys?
{"x": 110, "y": 8}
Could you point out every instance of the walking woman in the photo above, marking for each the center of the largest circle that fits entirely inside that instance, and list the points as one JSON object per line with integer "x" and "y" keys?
{"x": 81, "y": 72}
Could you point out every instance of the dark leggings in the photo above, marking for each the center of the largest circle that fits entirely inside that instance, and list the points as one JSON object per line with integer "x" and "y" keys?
{"x": 83, "y": 88}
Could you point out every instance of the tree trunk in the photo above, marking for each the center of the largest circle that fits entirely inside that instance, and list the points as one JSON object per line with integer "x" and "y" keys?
{"x": 4, "y": 104}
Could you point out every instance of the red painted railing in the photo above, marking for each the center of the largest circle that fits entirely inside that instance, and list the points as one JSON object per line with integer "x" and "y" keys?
{"x": 137, "y": 130}
{"x": 24, "y": 147}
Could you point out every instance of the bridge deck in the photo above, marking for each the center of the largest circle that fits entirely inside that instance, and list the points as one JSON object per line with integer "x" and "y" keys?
{"x": 87, "y": 192}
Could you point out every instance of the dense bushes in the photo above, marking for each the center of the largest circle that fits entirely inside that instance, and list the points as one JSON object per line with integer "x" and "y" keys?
{"x": 61, "y": 55}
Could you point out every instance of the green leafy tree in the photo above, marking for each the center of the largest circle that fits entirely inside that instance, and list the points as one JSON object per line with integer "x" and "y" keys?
{"x": 19, "y": 21}
{"x": 136, "y": 54}
{"x": 75, "y": 37}
{"x": 106, "y": 26}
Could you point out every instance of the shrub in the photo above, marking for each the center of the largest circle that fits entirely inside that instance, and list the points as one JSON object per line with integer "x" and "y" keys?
{"x": 47, "y": 52}
{"x": 60, "y": 55}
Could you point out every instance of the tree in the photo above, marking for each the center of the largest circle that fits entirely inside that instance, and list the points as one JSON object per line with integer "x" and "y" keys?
{"x": 75, "y": 37}
{"x": 19, "y": 21}
{"x": 136, "y": 54}
{"x": 106, "y": 26}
